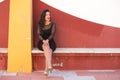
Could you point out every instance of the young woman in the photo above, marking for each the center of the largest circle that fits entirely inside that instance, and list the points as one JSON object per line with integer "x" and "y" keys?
{"x": 46, "y": 32}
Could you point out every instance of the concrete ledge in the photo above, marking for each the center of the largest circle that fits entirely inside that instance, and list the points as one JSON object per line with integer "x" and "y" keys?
{"x": 74, "y": 50}
{"x": 3, "y": 50}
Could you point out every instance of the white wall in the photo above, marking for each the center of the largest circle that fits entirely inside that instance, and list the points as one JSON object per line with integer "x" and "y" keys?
{"x": 105, "y": 12}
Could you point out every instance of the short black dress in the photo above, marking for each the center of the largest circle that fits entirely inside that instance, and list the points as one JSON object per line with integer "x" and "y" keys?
{"x": 47, "y": 33}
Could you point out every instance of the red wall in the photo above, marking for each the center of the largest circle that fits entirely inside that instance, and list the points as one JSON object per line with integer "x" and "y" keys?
{"x": 71, "y": 31}
{"x": 4, "y": 23}
{"x": 72, "y": 61}
{"x": 76, "y": 32}
{"x": 82, "y": 61}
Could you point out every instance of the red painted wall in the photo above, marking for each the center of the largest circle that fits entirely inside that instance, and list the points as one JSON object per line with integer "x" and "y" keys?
{"x": 71, "y": 31}
{"x": 4, "y": 23}
{"x": 76, "y": 32}
{"x": 72, "y": 61}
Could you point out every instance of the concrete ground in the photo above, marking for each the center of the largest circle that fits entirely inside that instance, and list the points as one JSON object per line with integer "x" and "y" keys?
{"x": 63, "y": 75}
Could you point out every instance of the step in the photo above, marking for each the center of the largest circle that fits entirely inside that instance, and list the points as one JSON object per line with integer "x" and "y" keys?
{"x": 74, "y": 50}
{"x": 73, "y": 58}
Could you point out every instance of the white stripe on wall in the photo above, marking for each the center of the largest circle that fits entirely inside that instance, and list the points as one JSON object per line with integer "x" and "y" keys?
{"x": 105, "y": 12}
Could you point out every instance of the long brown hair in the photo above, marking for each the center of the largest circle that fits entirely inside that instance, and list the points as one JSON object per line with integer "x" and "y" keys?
{"x": 42, "y": 18}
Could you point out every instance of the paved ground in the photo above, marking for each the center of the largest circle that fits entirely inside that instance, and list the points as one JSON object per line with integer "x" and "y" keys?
{"x": 64, "y": 75}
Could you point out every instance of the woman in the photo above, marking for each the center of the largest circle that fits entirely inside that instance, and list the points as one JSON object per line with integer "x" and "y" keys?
{"x": 46, "y": 32}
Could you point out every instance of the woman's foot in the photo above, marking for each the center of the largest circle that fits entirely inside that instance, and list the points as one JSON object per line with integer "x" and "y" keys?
{"x": 46, "y": 73}
{"x": 50, "y": 69}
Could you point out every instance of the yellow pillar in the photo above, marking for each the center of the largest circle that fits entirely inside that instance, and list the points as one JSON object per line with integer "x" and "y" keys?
{"x": 19, "y": 43}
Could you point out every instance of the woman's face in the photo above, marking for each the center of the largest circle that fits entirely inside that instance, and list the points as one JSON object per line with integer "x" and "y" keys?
{"x": 47, "y": 16}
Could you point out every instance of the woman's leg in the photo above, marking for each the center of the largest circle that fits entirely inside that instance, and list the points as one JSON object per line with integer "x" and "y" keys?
{"x": 45, "y": 54}
{"x": 48, "y": 57}
{"x": 50, "y": 60}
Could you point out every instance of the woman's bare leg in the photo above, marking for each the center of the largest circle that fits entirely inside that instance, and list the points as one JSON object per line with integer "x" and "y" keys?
{"x": 48, "y": 56}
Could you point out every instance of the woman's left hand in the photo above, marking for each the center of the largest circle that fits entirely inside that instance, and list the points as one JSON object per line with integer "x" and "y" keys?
{"x": 46, "y": 42}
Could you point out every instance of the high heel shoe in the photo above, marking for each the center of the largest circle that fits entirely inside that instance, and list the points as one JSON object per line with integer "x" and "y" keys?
{"x": 50, "y": 69}
{"x": 46, "y": 73}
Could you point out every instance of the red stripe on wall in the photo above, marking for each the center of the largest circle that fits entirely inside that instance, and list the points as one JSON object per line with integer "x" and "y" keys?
{"x": 76, "y": 32}
{"x": 71, "y": 31}
{"x": 4, "y": 23}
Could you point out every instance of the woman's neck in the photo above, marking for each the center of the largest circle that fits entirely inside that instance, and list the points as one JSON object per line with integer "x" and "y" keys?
{"x": 47, "y": 22}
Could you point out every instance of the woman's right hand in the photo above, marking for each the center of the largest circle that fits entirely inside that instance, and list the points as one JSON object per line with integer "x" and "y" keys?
{"x": 45, "y": 42}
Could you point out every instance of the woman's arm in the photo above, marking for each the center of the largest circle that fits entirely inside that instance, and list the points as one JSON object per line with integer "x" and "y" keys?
{"x": 53, "y": 31}
{"x": 39, "y": 32}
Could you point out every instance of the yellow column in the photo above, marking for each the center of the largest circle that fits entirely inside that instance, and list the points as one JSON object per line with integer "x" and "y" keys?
{"x": 20, "y": 30}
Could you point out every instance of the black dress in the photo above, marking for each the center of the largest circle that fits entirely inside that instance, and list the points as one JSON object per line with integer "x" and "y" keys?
{"x": 47, "y": 33}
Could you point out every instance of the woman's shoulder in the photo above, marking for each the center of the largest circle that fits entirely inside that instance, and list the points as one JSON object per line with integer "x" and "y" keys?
{"x": 53, "y": 24}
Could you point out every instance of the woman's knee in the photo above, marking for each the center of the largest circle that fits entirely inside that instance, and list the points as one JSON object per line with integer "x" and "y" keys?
{"x": 50, "y": 50}
{"x": 44, "y": 48}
